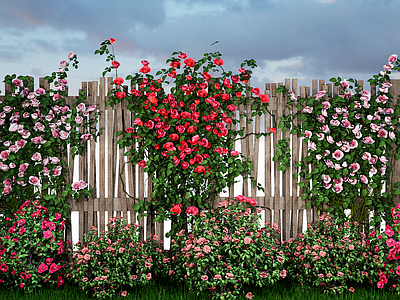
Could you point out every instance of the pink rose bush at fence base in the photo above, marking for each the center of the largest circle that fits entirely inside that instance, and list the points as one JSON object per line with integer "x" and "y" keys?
{"x": 225, "y": 244}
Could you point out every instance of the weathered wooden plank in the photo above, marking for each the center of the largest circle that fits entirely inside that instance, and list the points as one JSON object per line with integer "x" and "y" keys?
{"x": 100, "y": 105}
{"x": 111, "y": 136}
{"x": 268, "y": 167}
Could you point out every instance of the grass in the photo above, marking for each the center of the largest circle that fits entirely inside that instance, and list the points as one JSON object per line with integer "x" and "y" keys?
{"x": 166, "y": 290}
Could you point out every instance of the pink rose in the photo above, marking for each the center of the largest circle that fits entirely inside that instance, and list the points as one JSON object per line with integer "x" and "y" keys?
{"x": 55, "y": 133}
{"x": 392, "y": 58}
{"x": 64, "y": 135}
{"x": 36, "y": 157}
{"x": 33, "y": 180}
{"x": 76, "y": 186}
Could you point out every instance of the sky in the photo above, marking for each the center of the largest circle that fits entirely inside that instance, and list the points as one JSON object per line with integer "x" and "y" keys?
{"x": 308, "y": 39}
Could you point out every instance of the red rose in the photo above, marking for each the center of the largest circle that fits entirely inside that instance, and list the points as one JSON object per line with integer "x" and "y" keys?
{"x": 185, "y": 115}
{"x": 145, "y": 62}
{"x": 192, "y": 210}
{"x": 264, "y": 98}
{"x": 256, "y": 91}
{"x": 240, "y": 198}
{"x": 218, "y": 61}
{"x": 273, "y": 129}
{"x": 176, "y": 208}
{"x": 142, "y": 163}
{"x": 174, "y": 137}
{"x": 175, "y": 64}
{"x": 120, "y": 94}
{"x": 151, "y": 98}
{"x": 118, "y": 81}
{"x": 112, "y": 40}
{"x": 202, "y": 93}
{"x": 206, "y": 76}
{"x": 191, "y": 129}
{"x": 199, "y": 169}
{"x": 182, "y": 55}
{"x": 224, "y": 96}
{"x": 251, "y": 201}
{"x": 145, "y": 69}
{"x": 115, "y": 64}
{"x": 189, "y": 62}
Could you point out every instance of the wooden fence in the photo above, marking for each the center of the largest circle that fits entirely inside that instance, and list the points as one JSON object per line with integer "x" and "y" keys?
{"x": 88, "y": 208}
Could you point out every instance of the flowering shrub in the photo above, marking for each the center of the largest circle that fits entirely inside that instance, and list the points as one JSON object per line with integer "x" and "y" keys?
{"x": 329, "y": 256}
{"x": 115, "y": 259}
{"x": 387, "y": 247}
{"x": 31, "y": 249}
{"x": 225, "y": 249}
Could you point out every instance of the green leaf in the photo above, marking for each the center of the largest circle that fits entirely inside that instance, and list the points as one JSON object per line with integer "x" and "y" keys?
{"x": 281, "y": 168}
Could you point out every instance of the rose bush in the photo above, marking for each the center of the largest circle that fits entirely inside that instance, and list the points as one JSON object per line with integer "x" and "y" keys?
{"x": 32, "y": 249}
{"x": 350, "y": 140}
{"x": 386, "y": 245}
{"x": 330, "y": 255}
{"x": 224, "y": 250}
{"x": 107, "y": 264}
{"x": 35, "y": 130}
{"x": 182, "y": 151}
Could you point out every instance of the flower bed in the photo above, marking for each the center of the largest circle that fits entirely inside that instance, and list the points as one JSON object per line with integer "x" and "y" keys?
{"x": 222, "y": 255}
